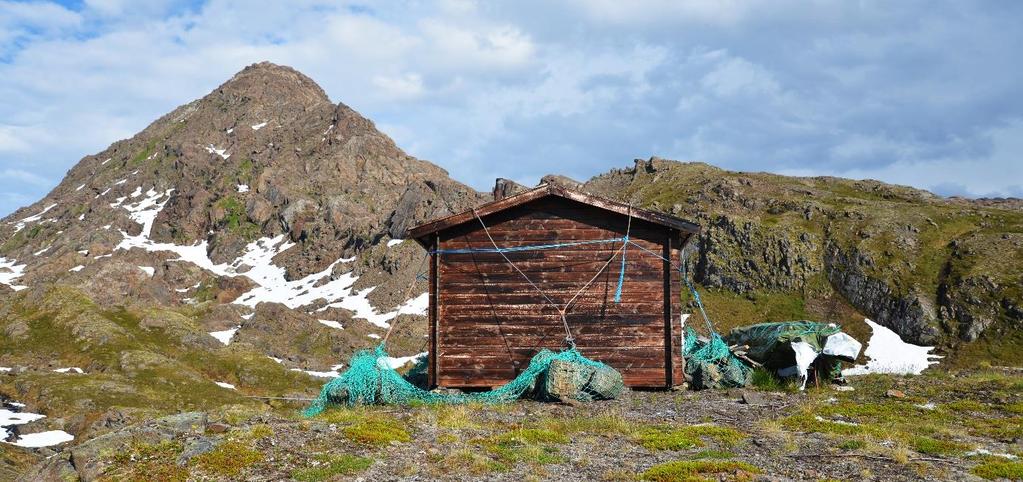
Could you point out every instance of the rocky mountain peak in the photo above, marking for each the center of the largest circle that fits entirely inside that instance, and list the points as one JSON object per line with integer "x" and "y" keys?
{"x": 268, "y": 80}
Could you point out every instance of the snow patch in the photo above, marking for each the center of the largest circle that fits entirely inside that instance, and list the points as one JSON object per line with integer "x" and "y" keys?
{"x": 887, "y": 353}
{"x": 106, "y": 161}
{"x": 77, "y": 268}
{"x": 225, "y": 335}
{"x": 334, "y": 372}
{"x": 332, "y": 324}
{"x": 41, "y": 251}
{"x": 225, "y": 385}
{"x": 43, "y": 439}
{"x": 839, "y": 422}
{"x": 9, "y": 418}
{"x": 394, "y": 242}
{"x": 220, "y": 152}
{"x": 33, "y": 218}
{"x": 974, "y": 453}
{"x": 136, "y": 193}
{"x": 79, "y": 188}
{"x": 10, "y": 271}
{"x": 394, "y": 363}
{"x": 70, "y": 369}
{"x": 243, "y": 188}
{"x": 149, "y": 270}
{"x": 374, "y": 336}
{"x": 257, "y": 262}
{"x": 259, "y": 126}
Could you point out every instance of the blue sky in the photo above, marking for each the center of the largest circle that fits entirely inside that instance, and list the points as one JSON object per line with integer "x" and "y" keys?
{"x": 928, "y": 94}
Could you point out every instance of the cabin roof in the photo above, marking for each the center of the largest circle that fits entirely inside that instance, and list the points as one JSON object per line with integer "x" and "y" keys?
{"x": 547, "y": 190}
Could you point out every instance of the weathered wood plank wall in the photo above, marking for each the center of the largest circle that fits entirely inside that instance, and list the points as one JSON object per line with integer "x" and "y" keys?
{"x": 487, "y": 321}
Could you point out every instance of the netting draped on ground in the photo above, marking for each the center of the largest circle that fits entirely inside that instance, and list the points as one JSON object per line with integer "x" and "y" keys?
{"x": 370, "y": 381}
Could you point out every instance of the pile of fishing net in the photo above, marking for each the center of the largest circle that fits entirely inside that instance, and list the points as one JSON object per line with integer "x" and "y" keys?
{"x": 566, "y": 375}
{"x": 710, "y": 364}
{"x": 792, "y": 348}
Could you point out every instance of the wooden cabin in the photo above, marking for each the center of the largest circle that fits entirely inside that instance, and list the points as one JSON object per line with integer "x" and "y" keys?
{"x": 487, "y": 320}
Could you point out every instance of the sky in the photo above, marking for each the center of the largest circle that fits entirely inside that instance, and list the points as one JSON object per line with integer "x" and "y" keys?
{"x": 921, "y": 93}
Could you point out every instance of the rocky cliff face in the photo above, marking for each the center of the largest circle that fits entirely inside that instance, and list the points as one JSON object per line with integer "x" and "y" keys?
{"x": 934, "y": 270}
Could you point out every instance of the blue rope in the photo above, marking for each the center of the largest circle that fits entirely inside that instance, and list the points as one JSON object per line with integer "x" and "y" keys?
{"x": 621, "y": 274}
{"x": 517, "y": 249}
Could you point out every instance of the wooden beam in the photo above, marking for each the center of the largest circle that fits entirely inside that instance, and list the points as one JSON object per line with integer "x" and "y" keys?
{"x": 420, "y": 232}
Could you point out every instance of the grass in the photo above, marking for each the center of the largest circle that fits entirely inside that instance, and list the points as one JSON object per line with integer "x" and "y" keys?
{"x": 368, "y": 427}
{"x": 332, "y": 466}
{"x": 691, "y": 470}
{"x": 930, "y": 446}
{"x": 679, "y": 438}
{"x": 529, "y": 445}
{"x": 994, "y": 469}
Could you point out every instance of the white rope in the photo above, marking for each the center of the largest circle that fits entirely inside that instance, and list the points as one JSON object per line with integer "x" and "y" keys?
{"x": 568, "y": 332}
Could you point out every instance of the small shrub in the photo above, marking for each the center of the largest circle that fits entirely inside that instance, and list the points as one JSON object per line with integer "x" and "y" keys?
{"x": 331, "y": 466}
{"x": 530, "y": 445}
{"x": 853, "y": 444}
{"x": 144, "y": 462}
{"x": 229, "y": 459}
{"x": 377, "y": 431}
{"x": 694, "y": 469}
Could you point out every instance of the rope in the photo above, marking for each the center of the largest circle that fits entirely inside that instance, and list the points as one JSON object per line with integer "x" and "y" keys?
{"x": 621, "y": 273}
{"x": 536, "y": 247}
{"x": 588, "y": 283}
{"x": 408, "y": 293}
{"x": 682, "y": 268}
{"x": 568, "y": 332}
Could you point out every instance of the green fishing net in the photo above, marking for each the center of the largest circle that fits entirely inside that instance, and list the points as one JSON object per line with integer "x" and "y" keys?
{"x": 370, "y": 381}
{"x": 710, "y": 364}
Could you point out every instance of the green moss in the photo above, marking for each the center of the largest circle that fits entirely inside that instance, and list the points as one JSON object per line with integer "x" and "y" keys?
{"x": 229, "y": 459}
{"x": 235, "y": 219}
{"x": 147, "y": 150}
{"x": 679, "y": 438}
{"x": 245, "y": 171}
{"x": 714, "y": 454}
{"x": 332, "y": 466}
{"x": 691, "y": 470}
{"x": 930, "y": 446}
{"x": 994, "y": 469}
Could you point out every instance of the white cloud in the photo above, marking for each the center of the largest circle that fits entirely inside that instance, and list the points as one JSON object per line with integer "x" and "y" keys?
{"x": 404, "y": 86}
{"x": 917, "y": 93}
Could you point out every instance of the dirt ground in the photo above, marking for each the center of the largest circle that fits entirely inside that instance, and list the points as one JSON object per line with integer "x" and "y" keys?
{"x": 937, "y": 426}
